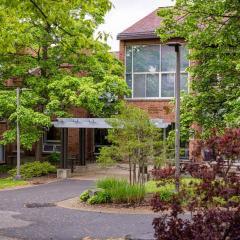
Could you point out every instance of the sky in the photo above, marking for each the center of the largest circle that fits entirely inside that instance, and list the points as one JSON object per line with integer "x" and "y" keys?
{"x": 125, "y": 13}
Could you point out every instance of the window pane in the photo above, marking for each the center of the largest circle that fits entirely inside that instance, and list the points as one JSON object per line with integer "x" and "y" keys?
{"x": 129, "y": 82}
{"x": 53, "y": 134}
{"x": 146, "y": 58}
{"x": 152, "y": 85}
{"x": 184, "y": 59}
{"x": 139, "y": 85}
{"x": 168, "y": 85}
{"x": 168, "y": 59}
{"x": 128, "y": 59}
{"x": 184, "y": 82}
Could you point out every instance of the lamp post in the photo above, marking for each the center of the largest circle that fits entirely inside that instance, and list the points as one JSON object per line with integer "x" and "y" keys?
{"x": 18, "y": 90}
{"x": 177, "y": 114}
{"x": 18, "y": 176}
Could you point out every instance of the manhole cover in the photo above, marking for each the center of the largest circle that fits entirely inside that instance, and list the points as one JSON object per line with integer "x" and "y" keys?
{"x": 39, "y": 205}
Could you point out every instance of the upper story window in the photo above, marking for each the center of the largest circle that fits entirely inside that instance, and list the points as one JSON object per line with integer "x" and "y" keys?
{"x": 150, "y": 70}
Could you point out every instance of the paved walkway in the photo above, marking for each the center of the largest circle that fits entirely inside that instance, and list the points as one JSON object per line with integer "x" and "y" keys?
{"x": 50, "y": 223}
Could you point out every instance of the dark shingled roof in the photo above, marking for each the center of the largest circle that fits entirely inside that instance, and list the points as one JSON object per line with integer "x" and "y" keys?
{"x": 144, "y": 28}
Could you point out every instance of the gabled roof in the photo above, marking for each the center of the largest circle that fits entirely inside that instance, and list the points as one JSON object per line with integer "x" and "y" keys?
{"x": 144, "y": 28}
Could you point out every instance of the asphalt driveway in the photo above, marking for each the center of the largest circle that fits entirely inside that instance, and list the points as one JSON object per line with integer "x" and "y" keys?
{"x": 50, "y": 223}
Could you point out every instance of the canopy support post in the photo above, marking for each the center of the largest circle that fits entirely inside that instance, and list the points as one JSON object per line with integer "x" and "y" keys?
{"x": 82, "y": 147}
{"x": 64, "y": 148}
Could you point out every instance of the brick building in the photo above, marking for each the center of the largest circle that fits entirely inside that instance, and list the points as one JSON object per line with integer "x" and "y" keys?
{"x": 149, "y": 73}
{"x": 150, "y": 68}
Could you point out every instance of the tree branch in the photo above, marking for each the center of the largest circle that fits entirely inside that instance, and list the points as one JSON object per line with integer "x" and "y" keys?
{"x": 41, "y": 11}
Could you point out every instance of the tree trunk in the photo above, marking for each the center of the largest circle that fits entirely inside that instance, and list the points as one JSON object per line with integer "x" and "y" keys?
{"x": 134, "y": 173}
{"x": 38, "y": 150}
{"x": 130, "y": 170}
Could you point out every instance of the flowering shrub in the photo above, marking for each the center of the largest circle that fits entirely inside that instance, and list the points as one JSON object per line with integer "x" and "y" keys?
{"x": 213, "y": 224}
{"x": 163, "y": 173}
{"x": 206, "y": 220}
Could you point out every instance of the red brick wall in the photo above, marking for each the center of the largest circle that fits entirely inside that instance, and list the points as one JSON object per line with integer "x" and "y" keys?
{"x": 156, "y": 108}
{"x": 73, "y": 135}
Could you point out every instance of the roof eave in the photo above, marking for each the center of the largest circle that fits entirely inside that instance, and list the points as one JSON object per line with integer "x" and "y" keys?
{"x": 137, "y": 35}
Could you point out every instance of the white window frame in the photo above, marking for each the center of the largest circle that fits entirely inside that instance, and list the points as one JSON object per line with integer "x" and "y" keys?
{"x": 160, "y": 75}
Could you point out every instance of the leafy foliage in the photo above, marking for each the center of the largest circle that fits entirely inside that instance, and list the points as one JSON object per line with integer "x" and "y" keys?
{"x": 224, "y": 225}
{"x": 34, "y": 169}
{"x": 133, "y": 139}
{"x": 163, "y": 173}
{"x": 54, "y": 158}
{"x": 4, "y": 168}
{"x": 100, "y": 198}
{"x": 49, "y": 48}
{"x": 120, "y": 191}
{"x": 211, "y": 200}
{"x": 84, "y": 196}
{"x": 211, "y": 30}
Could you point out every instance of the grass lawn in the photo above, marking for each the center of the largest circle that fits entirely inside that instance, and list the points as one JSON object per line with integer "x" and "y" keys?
{"x": 9, "y": 183}
{"x": 152, "y": 186}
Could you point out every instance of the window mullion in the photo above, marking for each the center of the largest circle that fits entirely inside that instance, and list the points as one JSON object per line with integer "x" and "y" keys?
{"x": 132, "y": 74}
{"x": 160, "y": 71}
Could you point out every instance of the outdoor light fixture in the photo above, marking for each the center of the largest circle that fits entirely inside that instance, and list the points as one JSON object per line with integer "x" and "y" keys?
{"x": 18, "y": 90}
{"x": 177, "y": 45}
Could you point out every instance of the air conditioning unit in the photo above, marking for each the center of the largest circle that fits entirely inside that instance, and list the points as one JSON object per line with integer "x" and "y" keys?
{"x": 50, "y": 148}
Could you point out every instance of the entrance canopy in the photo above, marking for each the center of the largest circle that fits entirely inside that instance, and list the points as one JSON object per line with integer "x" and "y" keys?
{"x": 87, "y": 123}
{"x": 95, "y": 123}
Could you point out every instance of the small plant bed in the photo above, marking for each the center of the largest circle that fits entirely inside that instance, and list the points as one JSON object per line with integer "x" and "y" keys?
{"x": 114, "y": 191}
{"x": 11, "y": 183}
{"x": 113, "y": 208}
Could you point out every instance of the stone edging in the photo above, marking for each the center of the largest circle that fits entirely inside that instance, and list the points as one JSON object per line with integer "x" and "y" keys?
{"x": 74, "y": 203}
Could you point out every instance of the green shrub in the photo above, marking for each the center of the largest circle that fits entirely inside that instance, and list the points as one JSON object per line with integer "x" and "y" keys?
{"x": 167, "y": 192}
{"x": 120, "y": 191}
{"x": 34, "y": 169}
{"x": 5, "y": 168}
{"x": 166, "y": 189}
{"x": 219, "y": 201}
{"x": 127, "y": 194}
{"x": 235, "y": 199}
{"x": 99, "y": 198}
{"x": 92, "y": 200}
{"x": 84, "y": 196}
{"x": 111, "y": 182}
{"x": 54, "y": 158}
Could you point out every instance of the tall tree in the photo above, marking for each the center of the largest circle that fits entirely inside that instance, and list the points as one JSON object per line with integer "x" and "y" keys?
{"x": 49, "y": 46}
{"x": 211, "y": 29}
